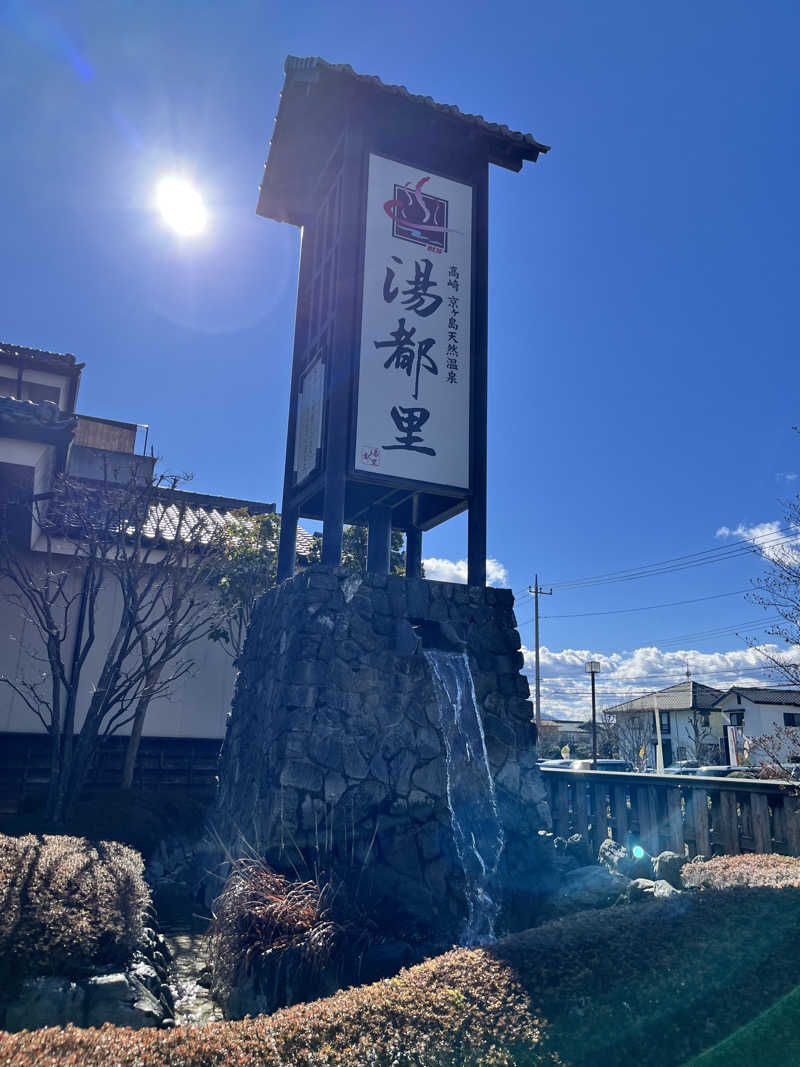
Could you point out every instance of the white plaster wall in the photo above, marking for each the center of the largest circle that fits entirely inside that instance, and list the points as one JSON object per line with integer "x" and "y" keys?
{"x": 759, "y": 719}
{"x": 197, "y": 706}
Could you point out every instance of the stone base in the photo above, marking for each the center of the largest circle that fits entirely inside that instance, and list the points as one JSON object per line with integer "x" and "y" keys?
{"x": 334, "y": 757}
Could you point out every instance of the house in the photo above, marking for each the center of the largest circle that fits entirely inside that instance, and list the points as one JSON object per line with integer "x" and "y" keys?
{"x": 755, "y": 711}
{"x": 556, "y": 733}
{"x": 690, "y": 723}
{"x": 41, "y": 437}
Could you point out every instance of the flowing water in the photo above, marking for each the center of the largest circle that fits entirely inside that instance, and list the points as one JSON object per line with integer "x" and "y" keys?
{"x": 194, "y": 1005}
{"x": 477, "y": 831}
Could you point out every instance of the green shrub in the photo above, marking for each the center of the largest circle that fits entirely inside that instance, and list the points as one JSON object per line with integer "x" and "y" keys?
{"x": 751, "y": 869}
{"x": 67, "y": 906}
{"x": 652, "y": 983}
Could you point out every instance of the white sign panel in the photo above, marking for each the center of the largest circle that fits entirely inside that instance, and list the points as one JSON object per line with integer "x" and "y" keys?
{"x": 308, "y": 432}
{"x": 414, "y": 370}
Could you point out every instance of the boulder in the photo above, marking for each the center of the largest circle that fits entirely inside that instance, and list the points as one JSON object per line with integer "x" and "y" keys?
{"x": 123, "y": 1001}
{"x": 667, "y": 867}
{"x": 618, "y": 858}
{"x": 46, "y": 1002}
{"x": 614, "y": 856}
{"x": 589, "y": 887}
{"x": 662, "y": 890}
{"x": 640, "y": 888}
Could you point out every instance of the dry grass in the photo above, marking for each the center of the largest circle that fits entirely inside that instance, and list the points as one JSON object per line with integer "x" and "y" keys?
{"x": 727, "y": 872}
{"x": 288, "y": 936}
{"x": 67, "y": 906}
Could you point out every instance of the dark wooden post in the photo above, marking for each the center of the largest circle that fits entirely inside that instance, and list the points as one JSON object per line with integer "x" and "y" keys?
{"x": 379, "y": 540}
{"x": 476, "y": 523}
{"x": 413, "y": 552}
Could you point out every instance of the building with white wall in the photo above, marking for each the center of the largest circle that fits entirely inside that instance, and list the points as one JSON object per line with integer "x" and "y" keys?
{"x": 762, "y": 712}
{"x": 42, "y": 437}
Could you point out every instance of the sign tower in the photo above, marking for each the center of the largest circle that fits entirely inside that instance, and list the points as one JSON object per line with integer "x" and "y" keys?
{"x": 387, "y": 417}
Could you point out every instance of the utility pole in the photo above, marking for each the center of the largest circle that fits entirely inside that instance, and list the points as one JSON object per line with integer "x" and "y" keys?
{"x": 536, "y": 592}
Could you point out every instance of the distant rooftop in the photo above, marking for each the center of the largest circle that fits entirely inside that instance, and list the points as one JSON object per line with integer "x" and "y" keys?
{"x": 683, "y": 696}
{"x": 762, "y": 695}
{"x": 63, "y": 361}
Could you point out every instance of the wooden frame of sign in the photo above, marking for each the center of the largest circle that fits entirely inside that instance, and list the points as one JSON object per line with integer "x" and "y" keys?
{"x": 387, "y": 416}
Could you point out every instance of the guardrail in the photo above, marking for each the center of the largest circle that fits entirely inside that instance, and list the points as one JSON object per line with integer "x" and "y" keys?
{"x": 701, "y": 816}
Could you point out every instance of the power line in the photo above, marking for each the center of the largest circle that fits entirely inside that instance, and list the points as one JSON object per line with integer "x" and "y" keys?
{"x": 648, "y": 607}
{"x": 677, "y": 563}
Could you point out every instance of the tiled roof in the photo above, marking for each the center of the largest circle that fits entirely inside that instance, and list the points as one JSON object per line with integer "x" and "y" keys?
{"x": 765, "y": 696}
{"x": 683, "y": 696}
{"x": 63, "y": 361}
{"x": 305, "y": 542}
{"x": 19, "y": 414}
{"x": 522, "y": 140}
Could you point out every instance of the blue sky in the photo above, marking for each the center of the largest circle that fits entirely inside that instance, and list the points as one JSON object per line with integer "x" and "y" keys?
{"x": 642, "y": 291}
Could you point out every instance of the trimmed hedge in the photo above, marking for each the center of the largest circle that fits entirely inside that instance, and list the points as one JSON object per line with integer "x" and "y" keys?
{"x": 652, "y": 983}
{"x": 751, "y": 869}
{"x": 67, "y": 906}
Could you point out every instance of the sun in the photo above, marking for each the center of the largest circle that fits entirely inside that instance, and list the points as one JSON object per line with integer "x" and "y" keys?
{"x": 181, "y": 206}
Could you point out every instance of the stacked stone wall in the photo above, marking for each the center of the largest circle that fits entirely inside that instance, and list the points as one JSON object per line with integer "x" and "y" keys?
{"x": 334, "y": 750}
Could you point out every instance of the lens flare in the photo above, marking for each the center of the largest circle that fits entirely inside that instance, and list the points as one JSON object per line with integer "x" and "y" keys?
{"x": 181, "y": 206}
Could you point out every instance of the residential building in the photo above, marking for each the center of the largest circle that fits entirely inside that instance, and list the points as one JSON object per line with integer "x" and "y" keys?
{"x": 42, "y": 437}
{"x": 690, "y": 724}
{"x": 755, "y": 711}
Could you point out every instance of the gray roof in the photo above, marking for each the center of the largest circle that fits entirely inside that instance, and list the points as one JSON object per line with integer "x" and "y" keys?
{"x": 680, "y": 697}
{"x": 59, "y": 361}
{"x": 761, "y": 695}
{"x": 521, "y": 140}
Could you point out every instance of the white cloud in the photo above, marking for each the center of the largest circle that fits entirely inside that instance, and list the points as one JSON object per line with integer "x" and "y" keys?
{"x": 787, "y": 476}
{"x": 448, "y": 570}
{"x": 770, "y": 537}
{"x": 623, "y": 675}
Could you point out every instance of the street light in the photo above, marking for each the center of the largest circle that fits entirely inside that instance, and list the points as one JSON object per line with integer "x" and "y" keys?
{"x": 592, "y": 667}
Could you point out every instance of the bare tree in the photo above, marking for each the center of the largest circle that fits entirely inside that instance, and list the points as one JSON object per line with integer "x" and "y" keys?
{"x": 608, "y": 734}
{"x": 779, "y": 590}
{"x": 93, "y": 670}
{"x": 699, "y": 738}
{"x": 633, "y": 735}
{"x": 779, "y": 752}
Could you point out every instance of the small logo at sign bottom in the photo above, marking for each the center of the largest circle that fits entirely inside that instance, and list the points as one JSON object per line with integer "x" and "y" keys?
{"x": 371, "y": 456}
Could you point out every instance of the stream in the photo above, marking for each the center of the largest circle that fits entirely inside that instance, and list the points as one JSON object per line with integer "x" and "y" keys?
{"x": 194, "y": 1005}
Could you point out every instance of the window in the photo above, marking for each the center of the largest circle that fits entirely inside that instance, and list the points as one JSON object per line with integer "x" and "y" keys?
{"x": 791, "y": 718}
{"x": 737, "y": 718}
{"x": 36, "y": 392}
{"x": 705, "y": 719}
{"x": 664, "y": 717}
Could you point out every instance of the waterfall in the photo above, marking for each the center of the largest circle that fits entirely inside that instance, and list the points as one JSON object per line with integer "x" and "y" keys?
{"x": 471, "y": 799}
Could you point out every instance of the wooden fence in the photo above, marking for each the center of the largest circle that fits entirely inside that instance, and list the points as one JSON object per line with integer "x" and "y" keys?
{"x": 164, "y": 763}
{"x": 698, "y": 816}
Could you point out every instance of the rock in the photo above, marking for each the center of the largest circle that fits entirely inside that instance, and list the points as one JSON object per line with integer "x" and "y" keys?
{"x": 122, "y": 1001}
{"x": 589, "y": 887}
{"x": 46, "y": 1002}
{"x": 667, "y": 867}
{"x": 662, "y": 890}
{"x": 640, "y": 888}
{"x": 577, "y": 846}
{"x": 614, "y": 856}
